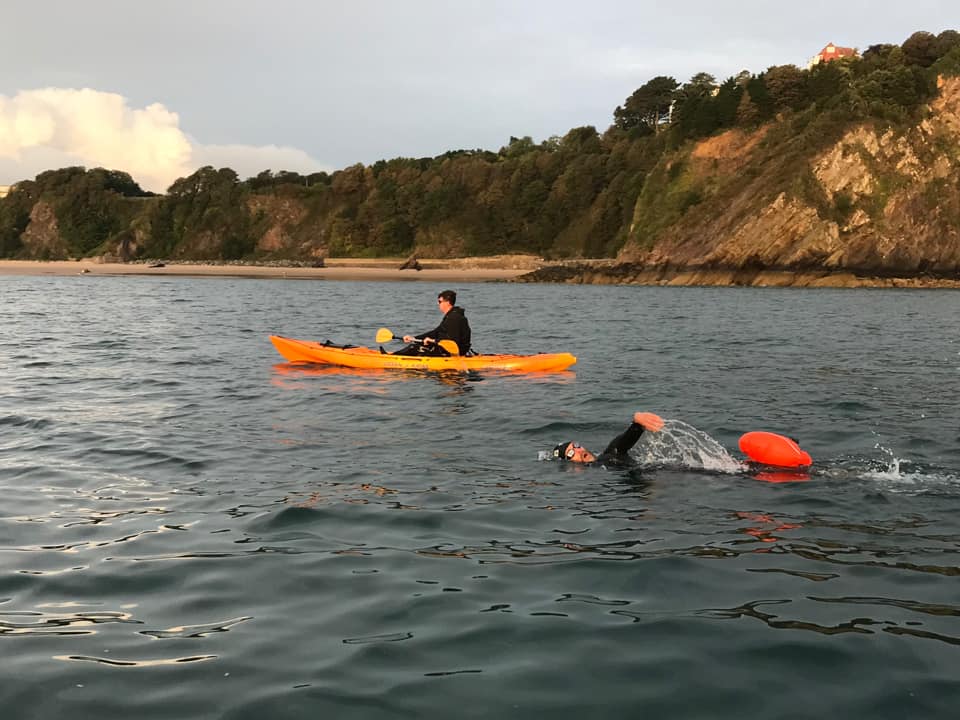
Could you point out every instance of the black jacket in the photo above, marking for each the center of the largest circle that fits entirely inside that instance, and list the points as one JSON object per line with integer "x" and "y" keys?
{"x": 454, "y": 326}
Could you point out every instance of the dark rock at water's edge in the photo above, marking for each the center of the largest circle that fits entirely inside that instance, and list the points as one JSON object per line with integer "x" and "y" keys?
{"x": 607, "y": 273}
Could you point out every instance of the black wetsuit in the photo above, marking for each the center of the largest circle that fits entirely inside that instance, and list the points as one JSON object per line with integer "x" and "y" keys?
{"x": 617, "y": 454}
{"x": 454, "y": 326}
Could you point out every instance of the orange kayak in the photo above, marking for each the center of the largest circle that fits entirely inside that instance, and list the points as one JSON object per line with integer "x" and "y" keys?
{"x": 364, "y": 357}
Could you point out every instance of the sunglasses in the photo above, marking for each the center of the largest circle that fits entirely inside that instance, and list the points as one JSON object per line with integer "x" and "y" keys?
{"x": 572, "y": 450}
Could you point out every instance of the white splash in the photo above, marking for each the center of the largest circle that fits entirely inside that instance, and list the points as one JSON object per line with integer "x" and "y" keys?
{"x": 895, "y": 476}
{"x": 683, "y": 445}
{"x": 892, "y": 471}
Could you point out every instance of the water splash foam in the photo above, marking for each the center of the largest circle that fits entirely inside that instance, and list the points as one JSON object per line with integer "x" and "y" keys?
{"x": 681, "y": 445}
{"x": 894, "y": 475}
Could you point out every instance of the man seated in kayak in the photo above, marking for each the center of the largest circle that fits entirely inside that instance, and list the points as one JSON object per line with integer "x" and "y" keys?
{"x": 454, "y": 326}
{"x": 617, "y": 453}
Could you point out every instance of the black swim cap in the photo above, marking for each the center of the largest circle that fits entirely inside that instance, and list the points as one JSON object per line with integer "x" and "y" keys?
{"x": 560, "y": 451}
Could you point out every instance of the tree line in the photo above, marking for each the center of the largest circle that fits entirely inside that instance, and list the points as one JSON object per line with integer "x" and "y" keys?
{"x": 570, "y": 195}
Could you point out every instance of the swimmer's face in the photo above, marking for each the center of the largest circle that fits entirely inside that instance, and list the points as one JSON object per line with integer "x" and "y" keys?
{"x": 579, "y": 454}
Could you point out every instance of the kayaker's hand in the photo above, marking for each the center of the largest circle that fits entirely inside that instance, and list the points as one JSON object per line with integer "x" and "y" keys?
{"x": 408, "y": 338}
{"x": 428, "y": 341}
{"x": 649, "y": 421}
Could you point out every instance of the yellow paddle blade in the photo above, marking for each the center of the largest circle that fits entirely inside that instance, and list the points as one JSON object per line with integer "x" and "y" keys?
{"x": 384, "y": 335}
{"x": 450, "y": 346}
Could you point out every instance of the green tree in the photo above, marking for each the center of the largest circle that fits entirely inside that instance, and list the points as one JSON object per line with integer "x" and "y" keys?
{"x": 581, "y": 140}
{"x": 947, "y": 41}
{"x": 921, "y": 49}
{"x": 786, "y": 85}
{"x": 518, "y": 146}
{"x": 892, "y": 92}
{"x": 15, "y": 216}
{"x": 694, "y": 116}
{"x": 949, "y": 64}
{"x": 756, "y": 87}
{"x": 727, "y": 102}
{"x": 648, "y": 106}
{"x": 119, "y": 182}
{"x": 826, "y": 81}
{"x": 694, "y": 111}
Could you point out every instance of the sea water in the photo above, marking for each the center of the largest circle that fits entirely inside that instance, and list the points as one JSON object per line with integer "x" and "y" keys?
{"x": 191, "y": 527}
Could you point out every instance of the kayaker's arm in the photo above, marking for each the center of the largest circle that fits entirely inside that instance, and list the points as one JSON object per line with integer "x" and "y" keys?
{"x": 431, "y": 336}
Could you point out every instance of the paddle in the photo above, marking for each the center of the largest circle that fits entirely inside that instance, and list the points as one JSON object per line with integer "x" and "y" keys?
{"x": 385, "y": 335}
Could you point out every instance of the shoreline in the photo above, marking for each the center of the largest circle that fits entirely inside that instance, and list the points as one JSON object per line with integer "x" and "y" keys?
{"x": 501, "y": 268}
{"x": 455, "y": 270}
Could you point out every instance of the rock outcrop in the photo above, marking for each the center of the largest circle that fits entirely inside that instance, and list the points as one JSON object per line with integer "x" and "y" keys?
{"x": 42, "y": 235}
{"x": 875, "y": 208}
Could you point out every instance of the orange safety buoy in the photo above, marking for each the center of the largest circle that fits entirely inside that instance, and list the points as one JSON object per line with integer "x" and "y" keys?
{"x": 769, "y": 448}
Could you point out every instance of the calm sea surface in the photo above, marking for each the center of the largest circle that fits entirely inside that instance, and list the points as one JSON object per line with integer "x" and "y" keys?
{"x": 192, "y": 528}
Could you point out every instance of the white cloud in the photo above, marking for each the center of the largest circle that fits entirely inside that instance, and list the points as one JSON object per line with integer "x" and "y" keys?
{"x": 51, "y": 128}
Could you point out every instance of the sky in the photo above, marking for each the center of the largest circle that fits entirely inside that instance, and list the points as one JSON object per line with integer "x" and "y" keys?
{"x": 161, "y": 89}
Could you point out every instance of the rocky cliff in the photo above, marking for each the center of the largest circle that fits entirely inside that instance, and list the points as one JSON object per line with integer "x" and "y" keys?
{"x": 875, "y": 207}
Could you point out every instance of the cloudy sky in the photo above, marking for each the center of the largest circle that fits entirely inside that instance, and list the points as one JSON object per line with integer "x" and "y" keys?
{"x": 160, "y": 89}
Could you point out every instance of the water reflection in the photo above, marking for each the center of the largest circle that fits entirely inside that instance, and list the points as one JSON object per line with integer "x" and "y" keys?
{"x": 292, "y": 371}
{"x": 775, "y": 475}
{"x": 862, "y": 625}
{"x": 38, "y": 623}
{"x": 754, "y": 610}
{"x": 195, "y": 631}
{"x": 367, "y": 379}
{"x": 764, "y": 526}
{"x": 136, "y": 663}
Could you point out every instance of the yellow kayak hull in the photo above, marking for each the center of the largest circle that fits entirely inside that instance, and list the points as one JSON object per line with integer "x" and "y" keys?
{"x": 362, "y": 357}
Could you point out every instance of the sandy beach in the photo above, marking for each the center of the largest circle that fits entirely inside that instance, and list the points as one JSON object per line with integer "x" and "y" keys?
{"x": 487, "y": 269}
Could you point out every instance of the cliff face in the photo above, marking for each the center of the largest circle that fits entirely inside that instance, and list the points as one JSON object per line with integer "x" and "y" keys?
{"x": 875, "y": 203}
{"x": 285, "y": 229}
{"x": 42, "y": 236}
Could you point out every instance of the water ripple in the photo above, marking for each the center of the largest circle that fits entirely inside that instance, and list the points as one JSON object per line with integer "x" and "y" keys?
{"x": 58, "y": 624}
{"x": 136, "y": 663}
{"x": 372, "y": 545}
